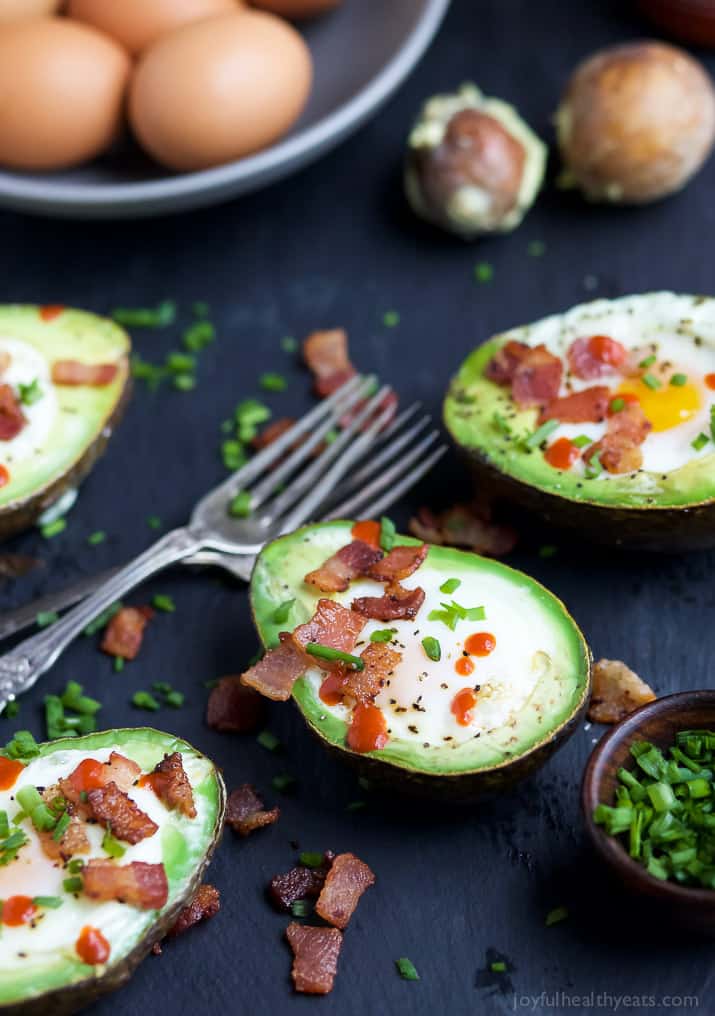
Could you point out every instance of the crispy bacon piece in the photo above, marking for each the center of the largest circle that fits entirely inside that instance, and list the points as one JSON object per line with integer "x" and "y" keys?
{"x": 595, "y": 355}
{"x": 587, "y": 406}
{"x": 300, "y": 883}
{"x": 171, "y": 785}
{"x": 115, "y": 809}
{"x": 73, "y": 372}
{"x": 619, "y": 449}
{"x": 331, "y": 625}
{"x": 275, "y": 674}
{"x": 502, "y": 366}
{"x": 397, "y": 604}
{"x": 326, "y": 355}
{"x": 315, "y": 957}
{"x": 205, "y": 904}
{"x": 380, "y": 661}
{"x": 74, "y": 839}
{"x": 139, "y": 884}
{"x": 245, "y": 811}
{"x": 234, "y": 708}
{"x": 345, "y": 883}
{"x": 124, "y": 633}
{"x": 537, "y": 378}
{"x": 119, "y": 770}
{"x": 12, "y": 419}
{"x": 350, "y": 562}
{"x": 617, "y": 691}
{"x": 123, "y": 771}
{"x": 398, "y": 564}
{"x": 464, "y": 526}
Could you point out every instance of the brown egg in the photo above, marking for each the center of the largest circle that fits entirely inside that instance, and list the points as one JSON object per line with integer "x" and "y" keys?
{"x": 297, "y": 8}
{"x": 138, "y": 23}
{"x": 61, "y": 93}
{"x": 14, "y": 10}
{"x": 220, "y": 89}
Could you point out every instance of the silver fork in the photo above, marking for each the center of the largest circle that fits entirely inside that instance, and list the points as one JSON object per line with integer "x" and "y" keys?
{"x": 273, "y": 510}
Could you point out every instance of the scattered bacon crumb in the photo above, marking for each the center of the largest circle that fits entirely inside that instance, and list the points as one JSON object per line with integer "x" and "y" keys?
{"x": 350, "y": 562}
{"x": 139, "y": 884}
{"x": 275, "y": 674}
{"x": 120, "y": 771}
{"x": 123, "y": 771}
{"x": 399, "y": 564}
{"x": 299, "y": 883}
{"x": 74, "y": 839}
{"x": 397, "y": 604}
{"x": 315, "y": 957}
{"x": 124, "y": 633}
{"x": 380, "y": 661}
{"x": 271, "y": 432}
{"x": 205, "y": 904}
{"x": 245, "y": 811}
{"x": 587, "y": 406}
{"x": 617, "y": 691}
{"x": 331, "y": 625}
{"x": 326, "y": 355}
{"x": 234, "y": 708}
{"x": 115, "y": 809}
{"x": 619, "y": 449}
{"x": 345, "y": 883}
{"x": 171, "y": 784}
{"x": 532, "y": 371}
{"x": 73, "y": 372}
{"x": 464, "y": 525}
{"x": 12, "y": 419}
{"x": 502, "y": 366}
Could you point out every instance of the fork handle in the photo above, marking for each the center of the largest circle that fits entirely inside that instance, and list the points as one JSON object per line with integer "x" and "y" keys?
{"x": 20, "y": 669}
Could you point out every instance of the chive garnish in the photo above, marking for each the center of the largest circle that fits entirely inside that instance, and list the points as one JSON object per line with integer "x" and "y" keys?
{"x": 22, "y": 746}
{"x": 594, "y": 468}
{"x": 406, "y": 969}
{"x": 103, "y": 619}
{"x": 233, "y": 454}
{"x": 198, "y": 335}
{"x": 145, "y": 700}
{"x": 163, "y": 602}
{"x": 387, "y": 534}
{"x": 391, "y": 319}
{"x": 648, "y": 362}
{"x": 54, "y": 528}
{"x": 556, "y": 915}
{"x": 96, "y": 538}
{"x": 271, "y": 381}
{"x": 548, "y": 550}
{"x": 651, "y": 381}
{"x": 450, "y": 586}
{"x": 617, "y": 405}
{"x": 282, "y": 611}
{"x": 112, "y": 846}
{"x": 61, "y": 827}
{"x": 118, "y": 664}
{"x": 29, "y": 394}
{"x": 45, "y": 618}
{"x": 502, "y": 424}
{"x": 73, "y": 884}
{"x": 536, "y": 248}
{"x": 184, "y": 382}
{"x": 383, "y": 635}
{"x": 283, "y": 783}
{"x": 289, "y": 344}
{"x": 582, "y": 440}
{"x": 498, "y": 967}
{"x": 11, "y": 709}
{"x": 75, "y": 866}
{"x": 200, "y": 309}
{"x": 700, "y": 441}
{"x": 48, "y": 902}
{"x": 451, "y": 613}
{"x": 335, "y": 655}
{"x": 483, "y": 271}
{"x": 154, "y": 522}
{"x": 541, "y": 434}
{"x": 268, "y": 741}
{"x": 175, "y": 699}
{"x": 146, "y": 317}
{"x": 678, "y": 380}
{"x": 240, "y": 506}
{"x": 432, "y": 648}
{"x": 311, "y": 859}
{"x": 301, "y": 908}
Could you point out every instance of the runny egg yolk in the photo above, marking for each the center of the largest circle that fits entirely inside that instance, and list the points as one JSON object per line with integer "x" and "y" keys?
{"x": 666, "y": 406}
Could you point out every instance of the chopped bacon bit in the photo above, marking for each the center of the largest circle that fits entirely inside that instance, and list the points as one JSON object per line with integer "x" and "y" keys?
{"x": 326, "y": 355}
{"x": 464, "y": 526}
{"x": 124, "y": 633}
{"x": 91, "y": 774}
{"x": 14, "y": 566}
{"x": 399, "y": 563}
{"x": 380, "y": 661}
{"x": 139, "y": 884}
{"x": 617, "y": 691}
{"x": 350, "y": 562}
{"x": 502, "y": 366}
{"x": 345, "y": 883}
{"x": 72, "y": 372}
{"x": 299, "y": 883}
{"x": 171, "y": 785}
{"x": 123, "y": 771}
{"x": 275, "y": 674}
{"x": 397, "y": 604}
{"x": 205, "y": 904}
{"x": 12, "y": 419}
{"x": 619, "y": 449}
{"x": 595, "y": 355}
{"x": 245, "y": 811}
{"x": 234, "y": 708}
{"x": 315, "y": 957}
{"x": 537, "y": 378}
{"x": 50, "y": 311}
{"x": 74, "y": 839}
{"x": 587, "y": 406}
{"x": 331, "y": 625}
{"x": 368, "y": 531}
{"x": 115, "y": 809}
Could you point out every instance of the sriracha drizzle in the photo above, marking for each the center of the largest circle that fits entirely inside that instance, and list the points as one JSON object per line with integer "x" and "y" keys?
{"x": 92, "y": 947}
{"x": 368, "y": 729}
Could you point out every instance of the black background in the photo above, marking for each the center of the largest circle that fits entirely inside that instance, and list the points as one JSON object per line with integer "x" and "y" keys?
{"x": 336, "y": 246}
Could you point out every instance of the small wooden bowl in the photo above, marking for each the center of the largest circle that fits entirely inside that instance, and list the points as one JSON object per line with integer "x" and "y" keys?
{"x": 659, "y": 721}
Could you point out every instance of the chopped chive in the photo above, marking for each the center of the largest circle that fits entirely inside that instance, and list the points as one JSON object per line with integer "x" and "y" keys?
{"x": 648, "y": 362}
{"x": 200, "y": 309}
{"x": 617, "y": 405}
{"x": 48, "y": 902}
{"x": 112, "y": 846}
{"x": 51, "y": 529}
{"x": 273, "y": 382}
{"x": 406, "y": 969}
{"x": 678, "y": 380}
{"x": 536, "y": 248}
{"x": 556, "y": 915}
{"x": 700, "y": 441}
{"x": 45, "y": 618}
{"x": 541, "y": 434}
{"x": 184, "y": 382}
{"x": 383, "y": 635}
{"x": 118, "y": 664}
{"x": 154, "y": 522}
{"x": 175, "y": 699}
{"x": 97, "y": 537}
{"x": 29, "y": 394}
{"x": 301, "y": 908}
{"x": 268, "y": 741}
{"x": 501, "y": 424}
{"x": 651, "y": 381}
{"x": 387, "y": 533}
{"x": 12, "y": 708}
{"x": 146, "y": 317}
{"x": 61, "y": 827}
{"x": 289, "y": 344}
{"x": 311, "y": 859}
{"x": 181, "y": 363}
{"x": 432, "y": 648}
{"x": 103, "y": 619}
{"x": 233, "y": 454}
{"x": 548, "y": 550}
{"x": 75, "y": 866}
{"x": 145, "y": 700}
{"x": 73, "y": 884}
{"x": 328, "y": 653}
{"x": 483, "y": 271}
{"x": 390, "y": 319}
{"x": 22, "y": 746}
{"x": 282, "y": 611}
{"x": 582, "y": 440}
{"x": 240, "y": 506}
{"x": 498, "y": 967}
{"x": 450, "y": 586}
{"x": 163, "y": 602}
{"x": 283, "y": 783}
{"x": 163, "y": 687}
{"x": 594, "y": 468}
{"x": 198, "y": 335}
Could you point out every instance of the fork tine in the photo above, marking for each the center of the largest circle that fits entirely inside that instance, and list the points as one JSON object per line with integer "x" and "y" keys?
{"x": 346, "y": 459}
{"x": 356, "y": 506}
{"x": 307, "y": 478}
{"x": 376, "y": 461}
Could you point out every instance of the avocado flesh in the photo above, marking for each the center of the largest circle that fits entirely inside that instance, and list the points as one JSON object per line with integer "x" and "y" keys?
{"x": 548, "y": 692}
{"x": 69, "y": 425}
{"x": 52, "y": 978}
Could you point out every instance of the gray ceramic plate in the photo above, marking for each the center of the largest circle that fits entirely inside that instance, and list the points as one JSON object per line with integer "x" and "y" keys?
{"x": 362, "y": 53}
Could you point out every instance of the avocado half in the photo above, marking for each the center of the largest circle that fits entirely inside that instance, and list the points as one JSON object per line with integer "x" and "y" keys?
{"x": 69, "y": 426}
{"x": 535, "y": 635}
{"x": 54, "y": 979}
{"x": 663, "y": 510}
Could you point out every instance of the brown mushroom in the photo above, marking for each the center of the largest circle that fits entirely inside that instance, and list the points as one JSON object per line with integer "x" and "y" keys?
{"x": 636, "y": 122}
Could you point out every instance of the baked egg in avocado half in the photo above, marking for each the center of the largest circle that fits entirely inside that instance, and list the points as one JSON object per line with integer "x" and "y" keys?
{"x": 103, "y": 840}
{"x": 64, "y": 382}
{"x": 473, "y": 687}
{"x": 601, "y": 419}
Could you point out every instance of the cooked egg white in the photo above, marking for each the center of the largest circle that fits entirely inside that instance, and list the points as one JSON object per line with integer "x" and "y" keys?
{"x": 27, "y": 365}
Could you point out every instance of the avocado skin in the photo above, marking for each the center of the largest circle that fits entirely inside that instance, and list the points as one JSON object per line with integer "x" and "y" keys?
{"x": 23, "y": 514}
{"x": 73, "y": 997}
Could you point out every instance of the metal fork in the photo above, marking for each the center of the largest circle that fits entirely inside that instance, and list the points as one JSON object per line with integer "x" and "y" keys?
{"x": 310, "y": 493}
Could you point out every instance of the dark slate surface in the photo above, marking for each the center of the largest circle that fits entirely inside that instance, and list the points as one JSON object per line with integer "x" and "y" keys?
{"x": 335, "y": 245}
